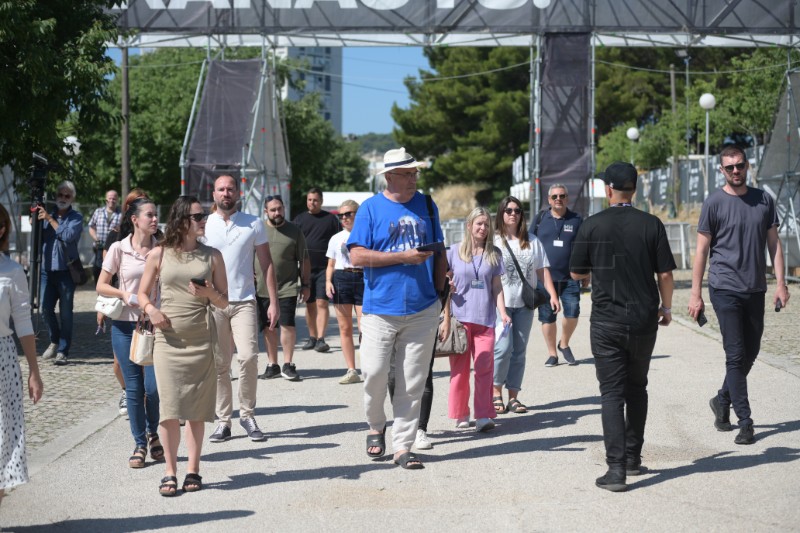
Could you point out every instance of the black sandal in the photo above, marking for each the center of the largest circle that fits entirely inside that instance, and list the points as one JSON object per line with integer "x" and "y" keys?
{"x": 156, "y": 449}
{"x": 377, "y": 441}
{"x": 137, "y": 459}
{"x": 192, "y": 482}
{"x": 409, "y": 461}
{"x": 169, "y": 486}
{"x": 499, "y": 406}
{"x": 516, "y": 406}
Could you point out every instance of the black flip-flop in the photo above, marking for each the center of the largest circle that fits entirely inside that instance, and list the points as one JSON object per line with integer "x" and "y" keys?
{"x": 377, "y": 441}
{"x": 409, "y": 461}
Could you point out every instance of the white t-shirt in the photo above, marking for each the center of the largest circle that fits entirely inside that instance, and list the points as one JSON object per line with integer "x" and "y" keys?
{"x": 14, "y": 299}
{"x": 337, "y": 250}
{"x": 237, "y": 240}
{"x": 530, "y": 260}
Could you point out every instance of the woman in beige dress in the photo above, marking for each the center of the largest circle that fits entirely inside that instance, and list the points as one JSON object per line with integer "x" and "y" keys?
{"x": 183, "y": 357}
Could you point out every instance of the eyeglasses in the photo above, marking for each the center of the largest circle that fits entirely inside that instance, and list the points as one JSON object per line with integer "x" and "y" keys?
{"x": 348, "y": 214}
{"x": 273, "y": 197}
{"x": 557, "y": 196}
{"x": 737, "y": 166}
{"x": 512, "y": 210}
{"x": 197, "y": 217}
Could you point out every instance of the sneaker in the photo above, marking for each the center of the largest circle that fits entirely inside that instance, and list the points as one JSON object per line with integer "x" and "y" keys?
{"x": 746, "y": 435}
{"x": 289, "y": 372}
{"x": 60, "y": 360}
{"x": 462, "y": 423}
{"x": 321, "y": 346}
{"x": 50, "y": 352}
{"x": 272, "y": 371}
{"x": 123, "y": 404}
{"x": 251, "y": 427}
{"x": 351, "y": 377}
{"x": 221, "y": 434}
{"x": 613, "y": 480}
{"x": 422, "y": 442}
{"x": 310, "y": 343}
{"x": 722, "y": 416}
{"x": 484, "y": 424}
{"x": 551, "y": 361}
{"x": 567, "y": 353}
{"x": 633, "y": 466}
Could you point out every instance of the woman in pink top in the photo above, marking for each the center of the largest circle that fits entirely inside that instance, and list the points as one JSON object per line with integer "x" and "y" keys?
{"x": 126, "y": 258}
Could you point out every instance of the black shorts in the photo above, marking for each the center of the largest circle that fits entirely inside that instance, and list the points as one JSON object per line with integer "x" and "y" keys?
{"x": 348, "y": 287}
{"x": 288, "y": 307}
{"x": 317, "y": 287}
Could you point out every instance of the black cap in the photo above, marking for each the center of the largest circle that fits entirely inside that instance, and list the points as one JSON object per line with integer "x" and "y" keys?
{"x": 620, "y": 176}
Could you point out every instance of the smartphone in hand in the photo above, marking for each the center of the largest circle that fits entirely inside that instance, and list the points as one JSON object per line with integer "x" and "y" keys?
{"x": 701, "y": 319}
{"x": 200, "y": 282}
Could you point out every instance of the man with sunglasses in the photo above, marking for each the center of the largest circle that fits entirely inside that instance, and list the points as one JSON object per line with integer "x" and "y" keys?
{"x": 736, "y": 223}
{"x": 556, "y": 228}
{"x": 318, "y": 226}
{"x": 290, "y": 257}
{"x": 239, "y": 237}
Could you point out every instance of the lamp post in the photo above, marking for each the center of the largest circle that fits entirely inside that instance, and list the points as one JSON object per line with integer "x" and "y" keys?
{"x": 707, "y": 102}
{"x": 633, "y": 135}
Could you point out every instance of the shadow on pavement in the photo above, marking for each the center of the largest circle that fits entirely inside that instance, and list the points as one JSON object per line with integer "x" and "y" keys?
{"x": 130, "y": 524}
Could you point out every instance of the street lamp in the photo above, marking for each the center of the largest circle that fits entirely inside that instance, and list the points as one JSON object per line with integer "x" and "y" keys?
{"x": 707, "y": 102}
{"x": 633, "y": 135}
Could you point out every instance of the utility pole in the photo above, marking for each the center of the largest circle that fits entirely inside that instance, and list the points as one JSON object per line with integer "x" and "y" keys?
{"x": 125, "y": 149}
{"x": 676, "y": 183}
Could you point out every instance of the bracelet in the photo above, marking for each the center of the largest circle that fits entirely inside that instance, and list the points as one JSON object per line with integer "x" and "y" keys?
{"x": 666, "y": 310}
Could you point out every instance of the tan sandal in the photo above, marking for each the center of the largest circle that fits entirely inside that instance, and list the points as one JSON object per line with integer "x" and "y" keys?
{"x": 137, "y": 459}
{"x": 156, "y": 449}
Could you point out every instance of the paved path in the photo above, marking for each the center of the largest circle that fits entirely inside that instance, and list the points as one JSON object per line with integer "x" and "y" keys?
{"x": 534, "y": 472}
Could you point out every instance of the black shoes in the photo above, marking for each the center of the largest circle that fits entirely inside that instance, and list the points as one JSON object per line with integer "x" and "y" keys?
{"x": 310, "y": 343}
{"x": 322, "y": 346}
{"x": 614, "y": 480}
{"x": 272, "y": 371}
{"x": 722, "y": 416}
{"x": 221, "y": 434}
{"x": 746, "y": 435}
{"x": 633, "y": 466}
{"x": 289, "y": 372}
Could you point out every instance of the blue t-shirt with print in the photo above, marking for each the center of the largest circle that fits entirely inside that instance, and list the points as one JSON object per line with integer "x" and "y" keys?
{"x": 386, "y": 226}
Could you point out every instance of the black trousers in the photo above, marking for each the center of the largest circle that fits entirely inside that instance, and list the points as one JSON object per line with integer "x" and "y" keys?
{"x": 622, "y": 361}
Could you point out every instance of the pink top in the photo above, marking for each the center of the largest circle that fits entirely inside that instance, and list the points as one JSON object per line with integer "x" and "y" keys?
{"x": 128, "y": 264}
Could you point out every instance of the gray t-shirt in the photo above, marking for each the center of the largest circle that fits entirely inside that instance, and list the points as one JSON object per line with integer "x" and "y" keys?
{"x": 738, "y": 228}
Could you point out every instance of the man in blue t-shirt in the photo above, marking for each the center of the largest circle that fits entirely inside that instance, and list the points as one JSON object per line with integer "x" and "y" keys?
{"x": 401, "y": 302}
{"x": 736, "y": 223}
{"x": 556, "y": 228}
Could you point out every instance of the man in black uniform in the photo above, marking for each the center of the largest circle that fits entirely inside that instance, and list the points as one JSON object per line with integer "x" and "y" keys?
{"x": 624, "y": 250}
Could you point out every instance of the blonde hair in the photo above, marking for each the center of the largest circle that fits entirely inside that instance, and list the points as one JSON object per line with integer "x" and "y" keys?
{"x": 490, "y": 252}
{"x": 349, "y": 203}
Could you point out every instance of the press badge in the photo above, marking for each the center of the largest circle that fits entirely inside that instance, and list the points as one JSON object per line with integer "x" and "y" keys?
{"x": 477, "y": 284}
{"x": 558, "y": 244}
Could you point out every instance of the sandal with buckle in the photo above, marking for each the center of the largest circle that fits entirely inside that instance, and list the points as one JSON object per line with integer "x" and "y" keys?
{"x": 169, "y": 486}
{"x": 137, "y": 459}
{"x": 499, "y": 406}
{"x": 516, "y": 406}
{"x": 192, "y": 482}
{"x": 156, "y": 449}
{"x": 377, "y": 441}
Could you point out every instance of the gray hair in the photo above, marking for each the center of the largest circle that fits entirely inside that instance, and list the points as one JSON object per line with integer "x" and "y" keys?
{"x": 557, "y": 186}
{"x": 66, "y": 184}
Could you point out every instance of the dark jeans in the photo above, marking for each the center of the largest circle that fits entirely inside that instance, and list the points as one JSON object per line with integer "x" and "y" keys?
{"x": 622, "y": 360}
{"x": 427, "y": 395}
{"x": 741, "y": 322}
{"x": 57, "y": 286}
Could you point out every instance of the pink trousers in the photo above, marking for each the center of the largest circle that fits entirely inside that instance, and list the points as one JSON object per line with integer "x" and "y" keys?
{"x": 480, "y": 352}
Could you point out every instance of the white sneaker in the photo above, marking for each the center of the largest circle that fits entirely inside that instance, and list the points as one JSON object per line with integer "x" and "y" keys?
{"x": 351, "y": 377}
{"x": 484, "y": 424}
{"x": 462, "y": 423}
{"x": 50, "y": 352}
{"x": 422, "y": 442}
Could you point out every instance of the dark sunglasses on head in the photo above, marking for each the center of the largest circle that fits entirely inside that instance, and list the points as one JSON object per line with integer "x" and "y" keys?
{"x": 348, "y": 214}
{"x": 738, "y": 166}
{"x": 198, "y": 217}
{"x": 512, "y": 210}
{"x": 557, "y": 196}
{"x": 273, "y": 197}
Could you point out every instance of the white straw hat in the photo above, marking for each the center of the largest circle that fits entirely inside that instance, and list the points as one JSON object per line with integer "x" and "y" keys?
{"x": 399, "y": 158}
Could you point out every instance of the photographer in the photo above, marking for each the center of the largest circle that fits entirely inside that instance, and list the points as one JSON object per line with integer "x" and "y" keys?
{"x": 61, "y": 231}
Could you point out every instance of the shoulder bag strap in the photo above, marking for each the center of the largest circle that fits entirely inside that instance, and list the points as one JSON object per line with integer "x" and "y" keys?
{"x": 519, "y": 270}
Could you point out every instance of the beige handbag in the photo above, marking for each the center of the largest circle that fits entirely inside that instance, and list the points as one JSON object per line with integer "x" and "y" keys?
{"x": 456, "y": 341}
{"x": 143, "y": 342}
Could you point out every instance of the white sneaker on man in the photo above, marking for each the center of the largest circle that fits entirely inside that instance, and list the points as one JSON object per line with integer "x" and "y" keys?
{"x": 50, "y": 352}
{"x": 422, "y": 442}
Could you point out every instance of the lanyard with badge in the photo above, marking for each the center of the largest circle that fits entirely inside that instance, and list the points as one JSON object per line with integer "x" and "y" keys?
{"x": 477, "y": 283}
{"x": 557, "y": 242}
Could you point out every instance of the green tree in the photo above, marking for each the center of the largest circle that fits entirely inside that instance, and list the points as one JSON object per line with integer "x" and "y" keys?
{"x": 52, "y": 55}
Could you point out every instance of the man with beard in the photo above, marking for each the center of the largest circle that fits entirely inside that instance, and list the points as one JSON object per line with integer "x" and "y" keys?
{"x": 736, "y": 223}
{"x": 291, "y": 262}
{"x": 239, "y": 237}
{"x": 61, "y": 233}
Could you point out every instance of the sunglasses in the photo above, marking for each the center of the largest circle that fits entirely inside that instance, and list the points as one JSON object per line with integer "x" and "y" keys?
{"x": 512, "y": 210}
{"x": 273, "y": 197}
{"x": 557, "y": 196}
{"x": 349, "y": 214}
{"x": 198, "y": 217}
{"x": 737, "y": 166}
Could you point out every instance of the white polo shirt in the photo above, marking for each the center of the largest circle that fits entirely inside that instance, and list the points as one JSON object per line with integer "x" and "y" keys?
{"x": 237, "y": 240}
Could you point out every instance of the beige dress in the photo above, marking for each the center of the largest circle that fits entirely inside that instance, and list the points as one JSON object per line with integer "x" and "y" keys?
{"x": 183, "y": 356}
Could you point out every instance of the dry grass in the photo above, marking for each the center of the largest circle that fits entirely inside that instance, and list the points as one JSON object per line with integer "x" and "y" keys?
{"x": 455, "y": 201}
{"x": 687, "y": 213}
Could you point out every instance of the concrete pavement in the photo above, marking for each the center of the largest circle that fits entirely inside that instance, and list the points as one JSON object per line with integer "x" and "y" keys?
{"x": 534, "y": 472}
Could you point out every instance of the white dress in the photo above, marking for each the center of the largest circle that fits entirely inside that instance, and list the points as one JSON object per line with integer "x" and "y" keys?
{"x": 13, "y": 303}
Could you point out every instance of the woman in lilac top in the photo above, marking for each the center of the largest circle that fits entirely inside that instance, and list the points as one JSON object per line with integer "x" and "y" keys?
{"x": 476, "y": 290}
